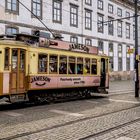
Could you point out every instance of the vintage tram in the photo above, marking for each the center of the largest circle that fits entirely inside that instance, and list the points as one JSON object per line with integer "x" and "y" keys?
{"x": 34, "y": 68}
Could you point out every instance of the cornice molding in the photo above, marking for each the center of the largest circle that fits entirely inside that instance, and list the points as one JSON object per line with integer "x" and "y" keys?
{"x": 126, "y": 3}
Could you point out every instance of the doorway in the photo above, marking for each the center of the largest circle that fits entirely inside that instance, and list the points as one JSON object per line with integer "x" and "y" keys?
{"x": 17, "y": 77}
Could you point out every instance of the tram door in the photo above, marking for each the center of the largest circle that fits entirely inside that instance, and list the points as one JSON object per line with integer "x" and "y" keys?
{"x": 103, "y": 72}
{"x": 17, "y": 83}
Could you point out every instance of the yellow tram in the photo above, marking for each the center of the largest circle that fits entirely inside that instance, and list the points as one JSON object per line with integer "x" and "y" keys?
{"x": 33, "y": 68}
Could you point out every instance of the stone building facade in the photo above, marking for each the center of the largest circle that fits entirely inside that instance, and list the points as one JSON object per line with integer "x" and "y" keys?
{"x": 79, "y": 21}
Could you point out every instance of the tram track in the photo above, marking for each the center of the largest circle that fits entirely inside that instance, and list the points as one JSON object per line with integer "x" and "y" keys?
{"x": 80, "y": 120}
{"x": 8, "y": 106}
{"x": 110, "y": 129}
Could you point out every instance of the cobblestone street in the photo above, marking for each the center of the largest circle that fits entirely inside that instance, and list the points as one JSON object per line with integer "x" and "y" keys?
{"x": 113, "y": 117}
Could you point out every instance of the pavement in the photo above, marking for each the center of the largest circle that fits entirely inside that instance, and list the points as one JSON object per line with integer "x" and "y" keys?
{"x": 121, "y": 86}
{"x": 116, "y": 117}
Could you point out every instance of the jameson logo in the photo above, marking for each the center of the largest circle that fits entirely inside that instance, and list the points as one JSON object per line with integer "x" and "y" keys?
{"x": 78, "y": 47}
{"x": 40, "y": 80}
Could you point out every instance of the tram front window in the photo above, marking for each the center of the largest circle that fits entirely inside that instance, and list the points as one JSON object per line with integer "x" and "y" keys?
{"x": 22, "y": 59}
{"x": 14, "y": 59}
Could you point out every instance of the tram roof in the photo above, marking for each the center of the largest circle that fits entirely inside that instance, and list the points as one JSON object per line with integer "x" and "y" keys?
{"x": 51, "y": 43}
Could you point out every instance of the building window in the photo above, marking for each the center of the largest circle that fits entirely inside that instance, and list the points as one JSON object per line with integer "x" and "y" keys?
{"x": 11, "y": 30}
{"x": 134, "y": 18}
{"x": 37, "y": 8}
{"x": 119, "y": 12}
{"x": 110, "y": 8}
{"x": 57, "y": 11}
{"x": 101, "y": 46}
{"x": 110, "y": 48}
{"x": 127, "y": 58}
{"x": 88, "y": 2}
{"x": 119, "y": 64}
{"x": 88, "y": 42}
{"x": 128, "y": 30}
{"x": 128, "y": 15}
{"x": 119, "y": 57}
{"x": 74, "y": 15}
{"x": 100, "y": 4}
{"x": 128, "y": 51}
{"x": 134, "y": 32}
{"x": 128, "y": 64}
{"x": 100, "y": 23}
{"x": 12, "y": 6}
{"x": 88, "y": 19}
{"x": 74, "y": 39}
{"x": 111, "y": 64}
{"x": 119, "y": 29}
{"x": 119, "y": 48}
{"x": 110, "y": 26}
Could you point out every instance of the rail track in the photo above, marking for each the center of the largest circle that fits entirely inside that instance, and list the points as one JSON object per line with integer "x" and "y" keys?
{"x": 80, "y": 120}
{"x": 110, "y": 129}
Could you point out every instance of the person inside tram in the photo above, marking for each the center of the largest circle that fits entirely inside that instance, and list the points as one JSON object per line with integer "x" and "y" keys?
{"x": 85, "y": 70}
{"x": 79, "y": 69}
{"x": 63, "y": 68}
{"x": 69, "y": 69}
{"x": 53, "y": 67}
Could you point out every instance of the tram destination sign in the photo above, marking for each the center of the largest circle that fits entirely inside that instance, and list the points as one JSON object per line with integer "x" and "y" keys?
{"x": 63, "y": 45}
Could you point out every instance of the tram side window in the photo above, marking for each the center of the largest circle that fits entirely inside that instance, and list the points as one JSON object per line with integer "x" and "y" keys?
{"x": 94, "y": 66}
{"x": 87, "y": 66}
{"x": 42, "y": 63}
{"x": 53, "y": 64}
{"x": 71, "y": 66}
{"x": 6, "y": 58}
{"x": 63, "y": 65}
{"x": 79, "y": 65}
{"x": 22, "y": 60}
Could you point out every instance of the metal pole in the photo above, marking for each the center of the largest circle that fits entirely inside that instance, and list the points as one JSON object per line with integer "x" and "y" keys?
{"x": 136, "y": 51}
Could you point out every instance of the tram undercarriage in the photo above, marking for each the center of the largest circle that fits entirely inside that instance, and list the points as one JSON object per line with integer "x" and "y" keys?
{"x": 55, "y": 95}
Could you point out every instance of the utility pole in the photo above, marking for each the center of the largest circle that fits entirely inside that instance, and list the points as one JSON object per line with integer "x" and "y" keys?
{"x": 136, "y": 50}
